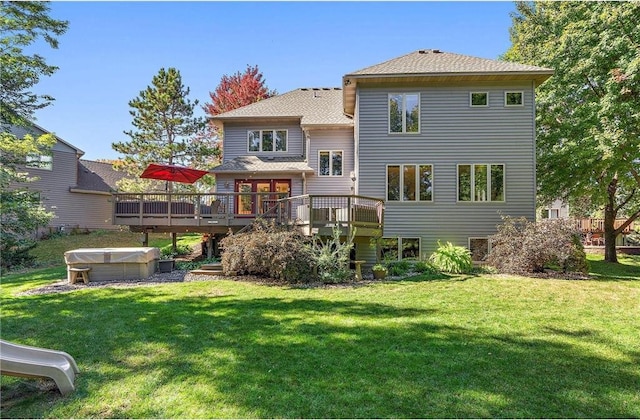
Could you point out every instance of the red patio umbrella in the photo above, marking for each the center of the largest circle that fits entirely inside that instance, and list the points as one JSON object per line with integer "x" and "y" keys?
{"x": 173, "y": 173}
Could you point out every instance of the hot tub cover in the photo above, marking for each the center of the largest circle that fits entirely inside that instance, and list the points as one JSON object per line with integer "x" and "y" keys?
{"x": 111, "y": 255}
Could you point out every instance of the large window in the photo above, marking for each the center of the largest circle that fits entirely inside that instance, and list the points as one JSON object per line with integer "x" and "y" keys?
{"x": 404, "y": 113}
{"x": 268, "y": 141}
{"x": 330, "y": 163}
{"x": 393, "y": 249}
{"x": 40, "y": 161}
{"x": 410, "y": 182}
{"x": 481, "y": 182}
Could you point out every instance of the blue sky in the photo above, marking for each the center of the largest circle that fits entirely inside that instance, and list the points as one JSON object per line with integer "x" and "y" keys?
{"x": 112, "y": 50}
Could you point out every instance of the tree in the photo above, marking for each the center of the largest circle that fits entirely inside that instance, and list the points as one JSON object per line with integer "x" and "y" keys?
{"x": 21, "y": 213}
{"x": 166, "y": 132}
{"x": 22, "y": 24}
{"x": 238, "y": 90}
{"x": 588, "y": 113}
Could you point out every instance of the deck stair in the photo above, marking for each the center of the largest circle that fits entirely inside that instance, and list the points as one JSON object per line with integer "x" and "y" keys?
{"x": 214, "y": 269}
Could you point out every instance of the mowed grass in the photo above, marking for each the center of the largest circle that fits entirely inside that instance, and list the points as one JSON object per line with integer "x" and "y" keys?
{"x": 452, "y": 346}
{"x": 50, "y": 252}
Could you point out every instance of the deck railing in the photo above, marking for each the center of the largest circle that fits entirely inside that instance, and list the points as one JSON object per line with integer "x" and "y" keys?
{"x": 597, "y": 225}
{"x": 238, "y": 209}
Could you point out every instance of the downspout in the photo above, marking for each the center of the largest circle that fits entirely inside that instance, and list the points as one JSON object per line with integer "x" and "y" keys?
{"x": 307, "y": 146}
{"x": 535, "y": 163}
{"x": 356, "y": 145}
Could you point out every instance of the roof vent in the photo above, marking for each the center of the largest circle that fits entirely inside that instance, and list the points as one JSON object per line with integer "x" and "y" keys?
{"x": 429, "y": 51}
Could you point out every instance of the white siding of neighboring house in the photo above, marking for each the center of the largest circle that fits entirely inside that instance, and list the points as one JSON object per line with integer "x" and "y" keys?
{"x": 451, "y": 133}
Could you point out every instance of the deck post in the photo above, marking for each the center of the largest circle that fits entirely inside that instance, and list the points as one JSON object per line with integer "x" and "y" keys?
{"x": 174, "y": 241}
{"x": 210, "y": 246}
{"x": 145, "y": 239}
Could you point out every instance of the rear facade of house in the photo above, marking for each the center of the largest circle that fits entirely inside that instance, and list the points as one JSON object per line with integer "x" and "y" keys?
{"x": 446, "y": 140}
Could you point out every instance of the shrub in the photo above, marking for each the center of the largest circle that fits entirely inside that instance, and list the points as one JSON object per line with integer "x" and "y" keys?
{"x": 268, "y": 250}
{"x": 522, "y": 247}
{"x": 425, "y": 267}
{"x": 332, "y": 257}
{"x": 450, "y": 258}
{"x": 181, "y": 249}
{"x": 398, "y": 268}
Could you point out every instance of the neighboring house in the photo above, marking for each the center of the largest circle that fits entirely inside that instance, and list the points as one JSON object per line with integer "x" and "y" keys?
{"x": 446, "y": 140}
{"x": 556, "y": 210}
{"x": 77, "y": 191}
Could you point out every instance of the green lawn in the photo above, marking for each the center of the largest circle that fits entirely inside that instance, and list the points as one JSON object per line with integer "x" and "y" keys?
{"x": 458, "y": 346}
{"x": 50, "y": 252}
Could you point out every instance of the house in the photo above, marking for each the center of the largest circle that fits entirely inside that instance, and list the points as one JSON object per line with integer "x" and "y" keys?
{"x": 430, "y": 146}
{"x": 77, "y": 191}
{"x": 558, "y": 209}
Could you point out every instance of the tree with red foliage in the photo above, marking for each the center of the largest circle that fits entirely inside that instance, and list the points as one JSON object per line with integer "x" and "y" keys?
{"x": 238, "y": 90}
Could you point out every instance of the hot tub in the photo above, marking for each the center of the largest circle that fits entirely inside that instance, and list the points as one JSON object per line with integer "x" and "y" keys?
{"x": 111, "y": 264}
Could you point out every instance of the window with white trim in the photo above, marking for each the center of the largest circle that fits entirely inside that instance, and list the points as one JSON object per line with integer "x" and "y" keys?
{"x": 404, "y": 113}
{"x": 44, "y": 161}
{"x": 400, "y": 248}
{"x": 513, "y": 98}
{"x": 479, "y": 99}
{"x": 267, "y": 141}
{"x": 410, "y": 182}
{"x": 330, "y": 163}
{"x": 481, "y": 182}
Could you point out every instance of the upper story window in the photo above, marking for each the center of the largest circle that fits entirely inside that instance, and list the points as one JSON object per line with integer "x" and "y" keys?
{"x": 404, "y": 113}
{"x": 479, "y": 99}
{"x": 40, "y": 161}
{"x": 481, "y": 182}
{"x": 513, "y": 98}
{"x": 268, "y": 141}
{"x": 330, "y": 163}
{"x": 410, "y": 182}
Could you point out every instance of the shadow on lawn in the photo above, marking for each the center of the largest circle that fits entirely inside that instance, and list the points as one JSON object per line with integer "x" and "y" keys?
{"x": 271, "y": 357}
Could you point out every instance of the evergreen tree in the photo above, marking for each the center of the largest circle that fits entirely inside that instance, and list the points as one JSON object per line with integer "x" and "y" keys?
{"x": 166, "y": 132}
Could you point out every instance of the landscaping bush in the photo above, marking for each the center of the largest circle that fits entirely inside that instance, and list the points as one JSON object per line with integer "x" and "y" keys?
{"x": 450, "y": 258}
{"x": 181, "y": 249}
{"x": 268, "y": 250}
{"x": 424, "y": 267}
{"x": 332, "y": 257}
{"x": 522, "y": 247}
{"x": 398, "y": 268}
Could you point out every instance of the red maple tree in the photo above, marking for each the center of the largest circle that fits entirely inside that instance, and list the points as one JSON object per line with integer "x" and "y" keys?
{"x": 238, "y": 90}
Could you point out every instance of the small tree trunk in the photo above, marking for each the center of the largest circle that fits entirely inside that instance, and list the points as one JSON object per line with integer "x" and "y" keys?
{"x": 609, "y": 235}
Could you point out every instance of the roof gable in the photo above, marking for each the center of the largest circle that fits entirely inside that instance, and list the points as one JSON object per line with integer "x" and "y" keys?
{"x": 311, "y": 106}
{"x": 435, "y": 66}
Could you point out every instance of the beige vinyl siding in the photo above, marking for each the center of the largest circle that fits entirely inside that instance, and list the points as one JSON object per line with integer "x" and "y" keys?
{"x": 236, "y": 139}
{"x": 335, "y": 140}
{"x": 451, "y": 133}
{"x": 71, "y": 209}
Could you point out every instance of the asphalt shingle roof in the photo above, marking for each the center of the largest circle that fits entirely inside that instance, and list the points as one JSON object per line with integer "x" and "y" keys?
{"x": 439, "y": 62}
{"x": 314, "y": 106}
{"x": 264, "y": 164}
{"x": 97, "y": 176}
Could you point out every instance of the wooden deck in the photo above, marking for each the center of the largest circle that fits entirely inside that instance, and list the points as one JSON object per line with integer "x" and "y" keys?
{"x": 217, "y": 213}
{"x": 597, "y": 225}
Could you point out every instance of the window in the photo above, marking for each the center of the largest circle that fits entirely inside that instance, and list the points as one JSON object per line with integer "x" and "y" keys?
{"x": 40, "y": 161}
{"x": 330, "y": 163}
{"x": 404, "y": 113}
{"x": 479, "y": 99}
{"x": 553, "y": 213}
{"x": 513, "y": 98}
{"x": 410, "y": 182}
{"x": 481, "y": 182}
{"x": 393, "y": 249}
{"x": 479, "y": 248}
{"x": 268, "y": 141}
